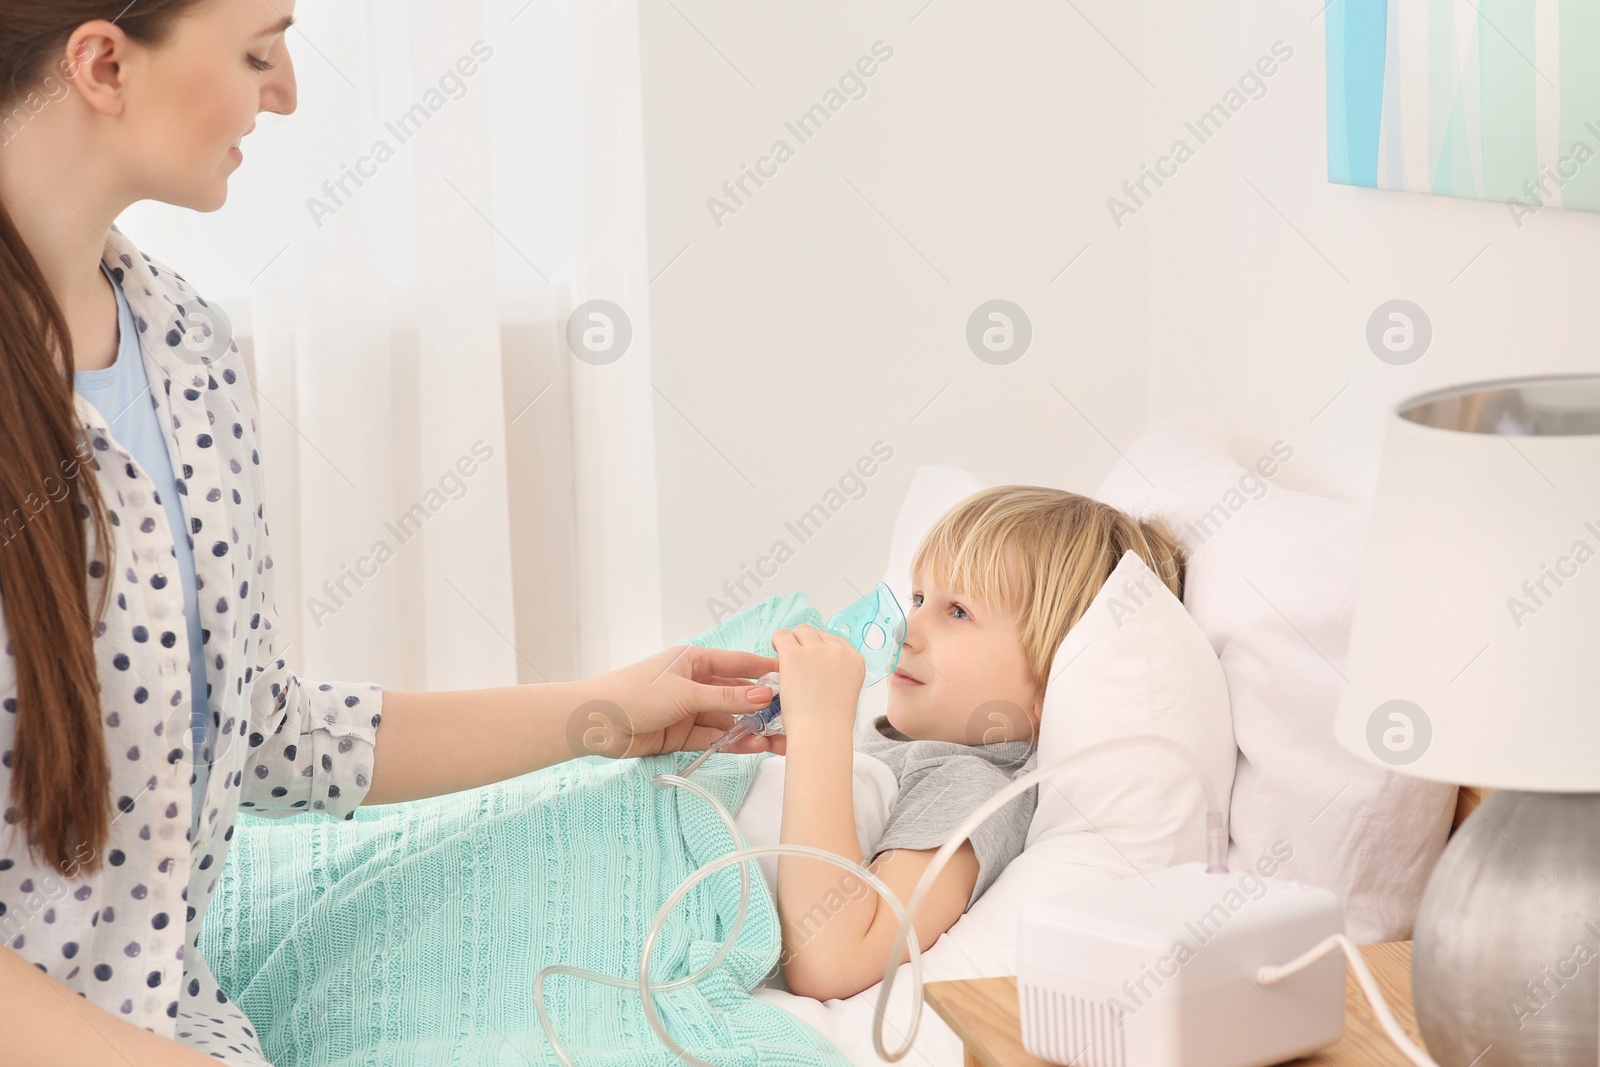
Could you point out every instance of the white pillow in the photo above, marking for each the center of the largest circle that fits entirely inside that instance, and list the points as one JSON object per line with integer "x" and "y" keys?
{"x": 1126, "y": 668}
{"x": 1135, "y": 664}
{"x": 1271, "y": 582}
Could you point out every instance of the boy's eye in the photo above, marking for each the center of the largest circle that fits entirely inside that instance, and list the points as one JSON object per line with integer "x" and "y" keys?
{"x": 916, "y": 601}
{"x": 259, "y": 64}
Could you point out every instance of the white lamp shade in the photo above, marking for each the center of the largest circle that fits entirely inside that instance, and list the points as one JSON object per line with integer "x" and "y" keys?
{"x": 1475, "y": 649}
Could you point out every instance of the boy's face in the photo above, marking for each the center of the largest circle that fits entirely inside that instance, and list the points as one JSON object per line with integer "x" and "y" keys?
{"x": 962, "y": 674}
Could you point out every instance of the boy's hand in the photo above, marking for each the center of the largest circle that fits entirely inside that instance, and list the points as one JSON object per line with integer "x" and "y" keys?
{"x": 820, "y": 675}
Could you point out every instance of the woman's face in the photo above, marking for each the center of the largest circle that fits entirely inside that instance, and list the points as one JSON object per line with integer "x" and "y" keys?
{"x": 962, "y": 674}
{"x": 188, "y": 102}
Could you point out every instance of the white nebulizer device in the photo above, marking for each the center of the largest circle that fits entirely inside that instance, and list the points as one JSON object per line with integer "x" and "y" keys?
{"x": 1161, "y": 970}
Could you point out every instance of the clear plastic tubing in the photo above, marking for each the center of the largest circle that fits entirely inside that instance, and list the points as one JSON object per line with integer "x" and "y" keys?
{"x": 905, "y": 937}
{"x": 769, "y": 720}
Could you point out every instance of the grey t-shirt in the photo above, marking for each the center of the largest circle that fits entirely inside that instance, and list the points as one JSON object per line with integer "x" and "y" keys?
{"x": 941, "y": 784}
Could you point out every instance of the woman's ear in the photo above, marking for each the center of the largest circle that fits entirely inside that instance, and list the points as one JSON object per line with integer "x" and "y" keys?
{"x": 94, "y": 64}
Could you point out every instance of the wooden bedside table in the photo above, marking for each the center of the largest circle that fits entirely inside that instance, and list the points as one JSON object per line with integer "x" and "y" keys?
{"x": 984, "y": 1014}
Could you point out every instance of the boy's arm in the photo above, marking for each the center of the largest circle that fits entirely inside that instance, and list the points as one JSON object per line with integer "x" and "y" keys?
{"x": 830, "y": 953}
{"x": 836, "y": 931}
{"x": 824, "y": 910}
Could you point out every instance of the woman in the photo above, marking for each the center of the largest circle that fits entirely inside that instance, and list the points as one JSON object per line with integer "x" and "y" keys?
{"x": 136, "y": 571}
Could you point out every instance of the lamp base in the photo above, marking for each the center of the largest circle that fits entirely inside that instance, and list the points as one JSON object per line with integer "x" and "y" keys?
{"x": 1505, "y": 964}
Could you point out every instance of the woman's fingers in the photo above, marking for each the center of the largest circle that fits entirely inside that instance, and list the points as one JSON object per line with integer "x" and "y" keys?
{"x": 735, "y": 698}
{"x": 720, "y": 721}
{"x": 756, "y": 696}
{"x": 732, "y": 681}
{"x": 728, "y": 663}
{"x": 710, "y": 725}
{"x": 722, "y": 680}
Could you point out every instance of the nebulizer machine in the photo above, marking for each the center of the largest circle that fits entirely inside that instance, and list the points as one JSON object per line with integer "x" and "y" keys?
{"x": 1072, "y": 944}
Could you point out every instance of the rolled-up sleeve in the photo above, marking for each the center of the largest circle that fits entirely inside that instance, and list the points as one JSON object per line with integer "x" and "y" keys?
{"x": 311, "y": 743}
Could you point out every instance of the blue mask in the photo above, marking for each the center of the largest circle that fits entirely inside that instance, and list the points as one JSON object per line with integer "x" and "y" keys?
{"x": 876, "y": 626}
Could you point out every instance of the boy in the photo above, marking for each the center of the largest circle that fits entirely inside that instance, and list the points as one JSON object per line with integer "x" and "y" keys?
{"x": 997, "y": 583}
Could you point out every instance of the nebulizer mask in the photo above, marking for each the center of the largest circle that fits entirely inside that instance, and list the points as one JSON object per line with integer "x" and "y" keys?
{"x": 874, "y": 625}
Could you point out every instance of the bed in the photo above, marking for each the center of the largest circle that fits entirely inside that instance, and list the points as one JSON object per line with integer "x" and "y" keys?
{"x": 1271, "y": 584}
{"x": 1245, "y": 673}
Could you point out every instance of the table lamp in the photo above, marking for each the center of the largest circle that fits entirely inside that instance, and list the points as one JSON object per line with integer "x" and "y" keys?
{"x": 1474, "y": 659}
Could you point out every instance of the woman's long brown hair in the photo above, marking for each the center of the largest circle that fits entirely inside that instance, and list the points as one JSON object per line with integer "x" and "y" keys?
{"x": 60, "y": 778}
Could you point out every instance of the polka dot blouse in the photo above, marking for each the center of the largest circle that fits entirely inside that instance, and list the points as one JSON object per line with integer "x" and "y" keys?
{"x": 125, "y": 936}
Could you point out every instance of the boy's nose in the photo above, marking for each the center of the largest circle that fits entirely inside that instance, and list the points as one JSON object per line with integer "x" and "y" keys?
{"x": 914, "y": 643}
{"x": 913, "y": 639}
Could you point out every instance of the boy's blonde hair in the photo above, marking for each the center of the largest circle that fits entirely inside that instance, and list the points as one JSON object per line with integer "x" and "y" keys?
{"x": 1043, "y": 554}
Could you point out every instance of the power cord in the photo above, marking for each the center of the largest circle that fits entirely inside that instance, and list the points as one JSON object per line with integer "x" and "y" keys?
{"x": 1270, "y": 975}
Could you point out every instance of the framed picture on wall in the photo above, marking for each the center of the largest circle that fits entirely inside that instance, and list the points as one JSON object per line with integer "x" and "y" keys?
{"x": 1492, "y": 99}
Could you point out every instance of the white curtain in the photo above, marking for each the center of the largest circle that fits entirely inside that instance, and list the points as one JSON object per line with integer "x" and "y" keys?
{"x": 455, "y": 500}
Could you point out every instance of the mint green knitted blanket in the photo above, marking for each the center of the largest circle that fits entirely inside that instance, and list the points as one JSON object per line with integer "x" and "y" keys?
{"x": 411, "y": 934}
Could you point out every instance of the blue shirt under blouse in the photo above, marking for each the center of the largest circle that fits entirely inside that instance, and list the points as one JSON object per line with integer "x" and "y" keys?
{"x": 121, "y": 393}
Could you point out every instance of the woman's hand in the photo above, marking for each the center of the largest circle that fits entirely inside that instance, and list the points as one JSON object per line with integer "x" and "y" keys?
{"x": 821, "y": 676}
{"x": 683, "y": 697}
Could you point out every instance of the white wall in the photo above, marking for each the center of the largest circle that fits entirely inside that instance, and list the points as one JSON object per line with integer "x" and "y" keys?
{"x": 829, "y": 310}
{"x": 1236, "y": 298}
{"x": 1252, "y": 329}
